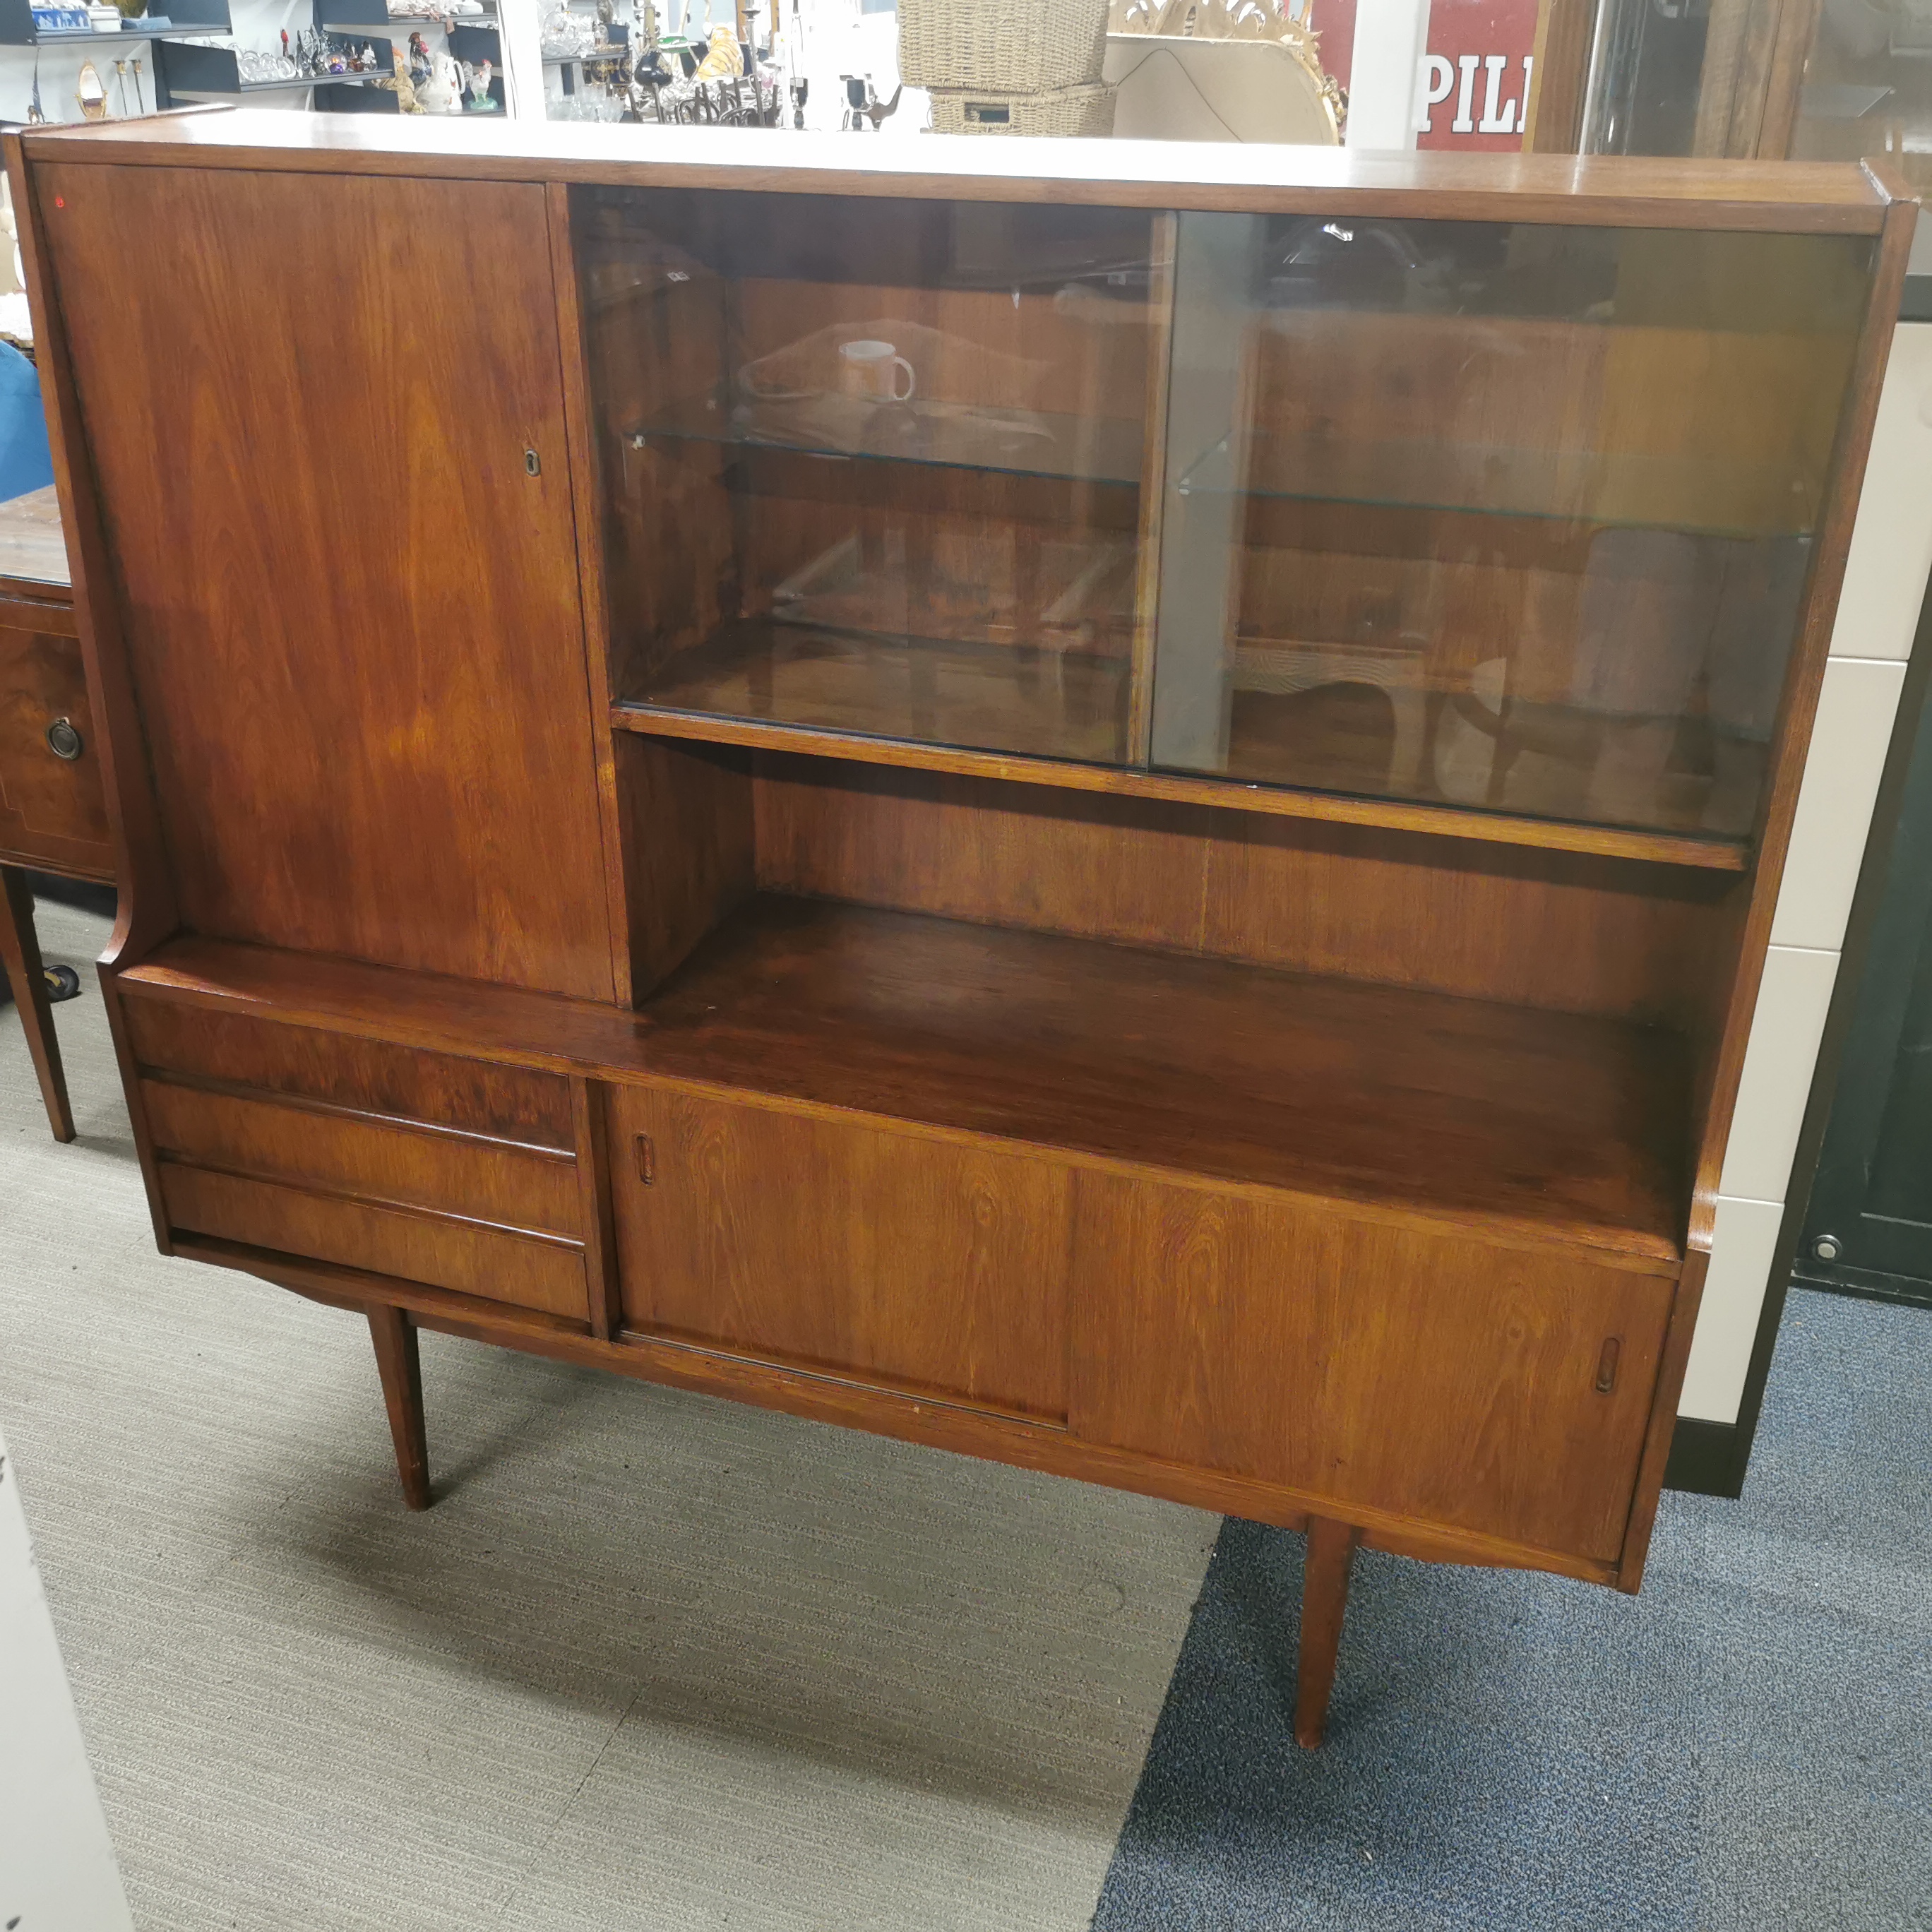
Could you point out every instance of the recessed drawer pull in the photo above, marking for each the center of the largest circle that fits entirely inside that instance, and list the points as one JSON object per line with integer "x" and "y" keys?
{"x": 1606, "y": 1365}
{"x": 647, "y": 1165}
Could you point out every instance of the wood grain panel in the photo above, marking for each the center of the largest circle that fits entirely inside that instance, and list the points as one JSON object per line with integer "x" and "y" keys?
{"x": 361, "y": 664}
{"x": 460, "y": 1256}
{"x": 1434, "y": 1377}
{"x": 370, "y": 1160}
{"x": 508, "y": 1103}
{"x": 1568, "y": 932}
{"x": 890, "y": 1255}
{"x": 1612, "y": 190}
{"x": 686, "y": 812}
{"x": 52, "y": 811}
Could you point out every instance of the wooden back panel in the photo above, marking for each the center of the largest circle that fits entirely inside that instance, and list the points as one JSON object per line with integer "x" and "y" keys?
{"x": 1750, "y": 415}
{"x": 1567, "y": 932}
{"x": 360, "y": 665}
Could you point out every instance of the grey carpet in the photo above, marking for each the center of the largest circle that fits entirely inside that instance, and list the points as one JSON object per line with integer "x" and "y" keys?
{"x": 1746, "y": 1747}
{"x": 654, "y": 1661}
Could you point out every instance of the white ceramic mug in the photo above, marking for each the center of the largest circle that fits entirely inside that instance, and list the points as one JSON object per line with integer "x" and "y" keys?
{"x": 870, "y": 370}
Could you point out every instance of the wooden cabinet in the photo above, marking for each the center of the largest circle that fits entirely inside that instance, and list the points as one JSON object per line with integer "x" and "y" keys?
{"x": 1128, "y": 826}
{"x": 52, "y": 811}
{"x": 53, "y": 806}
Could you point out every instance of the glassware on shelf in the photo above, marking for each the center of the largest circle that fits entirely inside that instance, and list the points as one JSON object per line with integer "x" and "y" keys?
{"x": 567, "y": 35}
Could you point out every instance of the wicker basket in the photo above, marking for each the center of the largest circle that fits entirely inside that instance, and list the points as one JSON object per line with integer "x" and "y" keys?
{"x": 1006, "y": 47}
{"x": 1063, "y": 110}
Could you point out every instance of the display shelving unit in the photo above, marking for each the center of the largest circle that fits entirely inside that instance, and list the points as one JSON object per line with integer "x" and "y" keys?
{"x": 185, "y": 17}
{"x": 187, "y": 73}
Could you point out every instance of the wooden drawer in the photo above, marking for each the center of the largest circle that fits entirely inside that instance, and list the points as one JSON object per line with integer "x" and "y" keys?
{"x": 1364, "y": 1360}
{"x": 52, "y": 811}
{"x": 509, "y": 1103}
{"x": 471, "y": 1258}
{"x": 896, "y": 1258}
{"x": 391, "y": 1159}
{"x": 397, "y": 1161}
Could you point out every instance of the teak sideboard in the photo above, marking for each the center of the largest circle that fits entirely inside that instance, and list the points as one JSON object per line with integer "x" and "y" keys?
{"x": 1112, "y": 807}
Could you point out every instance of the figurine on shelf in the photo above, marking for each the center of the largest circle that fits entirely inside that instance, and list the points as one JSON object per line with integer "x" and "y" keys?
{"x": 482, "y": 100}
{"x": 400, "y": 83}
{"x": 724, "y": 58}
{"x": 418, "y": 67}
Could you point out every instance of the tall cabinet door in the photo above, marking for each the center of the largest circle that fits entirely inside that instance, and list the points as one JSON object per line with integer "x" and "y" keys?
{"x": 326, "y": 418}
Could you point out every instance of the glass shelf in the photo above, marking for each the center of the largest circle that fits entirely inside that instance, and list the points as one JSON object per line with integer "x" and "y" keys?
{"x": 131, "y": 35}
{"x": 1064, "y": 704}
{"x": 940, "y": 435}
{"x": 1699, "y": 498}
{"x": 215, "y": 94}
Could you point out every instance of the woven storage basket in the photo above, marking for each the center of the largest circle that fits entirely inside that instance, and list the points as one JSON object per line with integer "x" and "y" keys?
{"x": 1006, "y": 46}
{"x": 1063, "y": 110}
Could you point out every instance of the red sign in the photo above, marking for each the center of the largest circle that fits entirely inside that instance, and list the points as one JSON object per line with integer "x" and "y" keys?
{"x": 1473, "y": 86}
{"x": 1475, "y": 90}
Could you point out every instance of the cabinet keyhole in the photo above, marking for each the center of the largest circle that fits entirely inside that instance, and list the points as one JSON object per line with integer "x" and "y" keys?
{"x": 530, "y": 463}
{"x": 1606, "y": 1365}
{"x": 647, "y": 1165}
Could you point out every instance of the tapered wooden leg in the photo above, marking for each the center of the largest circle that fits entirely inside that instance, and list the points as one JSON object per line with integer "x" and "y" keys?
{"x": 1324, "y": 1596}
{"x": 395, "y": 1336}
{"x": 20, "y": 948}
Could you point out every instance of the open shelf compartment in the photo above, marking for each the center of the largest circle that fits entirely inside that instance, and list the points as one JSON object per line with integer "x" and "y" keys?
{"x": 1520, "y": 1125}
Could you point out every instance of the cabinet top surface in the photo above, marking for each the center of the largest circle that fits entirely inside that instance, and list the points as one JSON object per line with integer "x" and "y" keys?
{"x": 1611, "y": 190}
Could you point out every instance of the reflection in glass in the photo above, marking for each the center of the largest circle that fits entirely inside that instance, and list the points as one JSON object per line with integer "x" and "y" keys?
{"x": 1508, "y": 517}
{"x": 873, "y": 466}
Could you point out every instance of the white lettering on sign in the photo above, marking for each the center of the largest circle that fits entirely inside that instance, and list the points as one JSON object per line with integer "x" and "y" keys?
{"x": 1436, "y": 79}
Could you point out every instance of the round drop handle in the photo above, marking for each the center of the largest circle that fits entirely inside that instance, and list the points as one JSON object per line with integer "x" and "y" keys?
{"x": 63, "y": 740}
